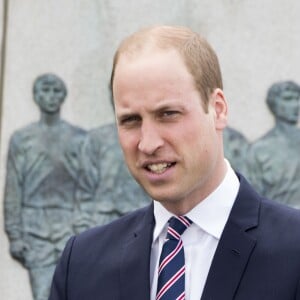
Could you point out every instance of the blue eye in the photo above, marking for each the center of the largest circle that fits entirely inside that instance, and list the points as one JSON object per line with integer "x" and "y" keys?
{"x": 169, "y": 113}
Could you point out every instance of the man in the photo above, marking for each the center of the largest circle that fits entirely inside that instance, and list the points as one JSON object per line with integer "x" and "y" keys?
{"x": 42, "y": 167}
{"x": 171, "y": 111}
{"x": 273, "y": 161}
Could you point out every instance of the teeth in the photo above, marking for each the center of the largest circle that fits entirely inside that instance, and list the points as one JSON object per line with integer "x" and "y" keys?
{"x": 159, "y": 168}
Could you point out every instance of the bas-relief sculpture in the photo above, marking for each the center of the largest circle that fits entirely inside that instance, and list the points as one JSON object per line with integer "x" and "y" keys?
{"x": 273, "y": 161}
{"x": 235, "y": 148}
{"x": 42, "y": 168}
{"x": 62, "y": 180}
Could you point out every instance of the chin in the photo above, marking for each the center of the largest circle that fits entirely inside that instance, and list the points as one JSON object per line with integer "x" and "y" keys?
{"x": 161, "y": 196}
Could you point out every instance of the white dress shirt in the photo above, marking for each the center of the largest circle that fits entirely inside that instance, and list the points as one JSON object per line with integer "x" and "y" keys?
{"x": 201, "y": 239}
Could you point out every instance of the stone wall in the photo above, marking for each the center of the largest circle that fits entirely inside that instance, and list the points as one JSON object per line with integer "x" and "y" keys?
{"x": 257, "y": 42}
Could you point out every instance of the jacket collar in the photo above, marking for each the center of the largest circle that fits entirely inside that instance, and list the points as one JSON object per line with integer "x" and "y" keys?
{"x": 231, "y": 257}
{"x": 135, "y": 266}
{"x": 235, "y": 246}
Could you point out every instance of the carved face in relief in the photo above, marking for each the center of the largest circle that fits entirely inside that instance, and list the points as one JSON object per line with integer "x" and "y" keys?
{"x": 49, "y": 93}
{"x": 283, "y": 99}
{"x": 287, "y": 106}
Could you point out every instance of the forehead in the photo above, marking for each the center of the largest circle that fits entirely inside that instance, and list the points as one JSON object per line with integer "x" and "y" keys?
{"x": 148, "y": 52}
{"x": 49, "y": 82}
{"x": 150, "y": 65}
{"x": 289, "y": 93}
{"x": 151, "y": 81}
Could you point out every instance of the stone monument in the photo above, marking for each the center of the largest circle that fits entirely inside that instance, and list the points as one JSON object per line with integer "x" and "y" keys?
{"x": 235, "y": 148}
{"x": 273, "y": 161}
{"x": 42, "y": 168}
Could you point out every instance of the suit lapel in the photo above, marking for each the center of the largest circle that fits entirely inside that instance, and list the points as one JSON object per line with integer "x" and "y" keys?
{"x": 235, "y": 247}
{"x": 134, "y": 271}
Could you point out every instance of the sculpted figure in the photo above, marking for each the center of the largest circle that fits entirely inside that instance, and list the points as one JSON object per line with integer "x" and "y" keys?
{"x": 42, "y": 167}
{"x": 106, "y": 190}
{"x": 273, "y": 163}
{"x": 235, "y": 148}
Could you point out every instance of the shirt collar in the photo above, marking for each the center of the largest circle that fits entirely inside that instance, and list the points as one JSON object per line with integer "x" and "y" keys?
{"x": 210, "y": 214}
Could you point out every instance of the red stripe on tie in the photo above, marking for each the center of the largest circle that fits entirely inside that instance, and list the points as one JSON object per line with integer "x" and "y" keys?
{"x": 170, "y": 283}
{"x": 174, "y": 233}
{"x": 170, "y": 256}
{"x": 184, "y": 221}
{"x": 181, "y": 297}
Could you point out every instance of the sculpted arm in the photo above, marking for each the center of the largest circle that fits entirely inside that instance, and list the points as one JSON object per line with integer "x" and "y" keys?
{"x": 13, "y": 200}
{"x": 88, "y": 181}
{"x": 254, "y": 169}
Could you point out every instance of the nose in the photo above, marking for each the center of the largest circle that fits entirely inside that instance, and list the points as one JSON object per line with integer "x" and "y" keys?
{"x": 50, "y": 95}
{"x": 150, "y": 139}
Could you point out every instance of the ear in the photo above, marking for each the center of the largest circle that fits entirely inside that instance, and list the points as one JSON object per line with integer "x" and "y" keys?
{"x": 219, "y": 104}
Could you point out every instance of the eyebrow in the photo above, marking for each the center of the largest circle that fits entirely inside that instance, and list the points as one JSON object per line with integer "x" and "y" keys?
{"x": 124, "y": 116}
{"x": 169, "y": 106}
{"x": 165, "y": 105}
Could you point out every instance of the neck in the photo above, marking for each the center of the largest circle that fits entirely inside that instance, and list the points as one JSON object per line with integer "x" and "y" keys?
{"x": 284, "y": 126}
{"x": 49, "y": 119}
{"x": 212, "y": 182}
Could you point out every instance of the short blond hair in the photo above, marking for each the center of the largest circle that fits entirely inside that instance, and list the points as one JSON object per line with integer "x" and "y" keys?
{"x": 199, "y": 57}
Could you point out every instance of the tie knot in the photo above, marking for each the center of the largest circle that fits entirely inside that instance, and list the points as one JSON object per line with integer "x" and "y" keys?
{"x": 177, "y": 225}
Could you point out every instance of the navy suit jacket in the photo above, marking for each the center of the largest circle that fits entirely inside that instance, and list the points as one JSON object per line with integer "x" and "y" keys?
{"x": 257, "y": 258}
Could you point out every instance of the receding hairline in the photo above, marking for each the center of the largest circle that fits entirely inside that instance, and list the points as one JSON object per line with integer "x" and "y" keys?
{"x": 197, "y": 54}
{"x": 160, "y": 37}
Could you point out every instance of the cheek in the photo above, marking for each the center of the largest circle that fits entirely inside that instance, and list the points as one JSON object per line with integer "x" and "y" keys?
{"x": 128, "y": 142}
{"x": 196, "y": 134}
{"x": 203, "y": 142}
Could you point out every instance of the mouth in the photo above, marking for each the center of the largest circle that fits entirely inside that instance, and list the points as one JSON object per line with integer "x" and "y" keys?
{"x": 159, "y": 168}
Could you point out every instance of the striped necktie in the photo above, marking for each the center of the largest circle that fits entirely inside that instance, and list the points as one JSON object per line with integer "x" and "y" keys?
{"x": 171, "y": 278}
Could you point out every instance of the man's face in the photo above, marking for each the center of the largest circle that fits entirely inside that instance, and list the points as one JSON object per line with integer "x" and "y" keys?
{"x": 49, "y": 96}
{"x": 287, "y": 106}
{"x": 171, "y": 146}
